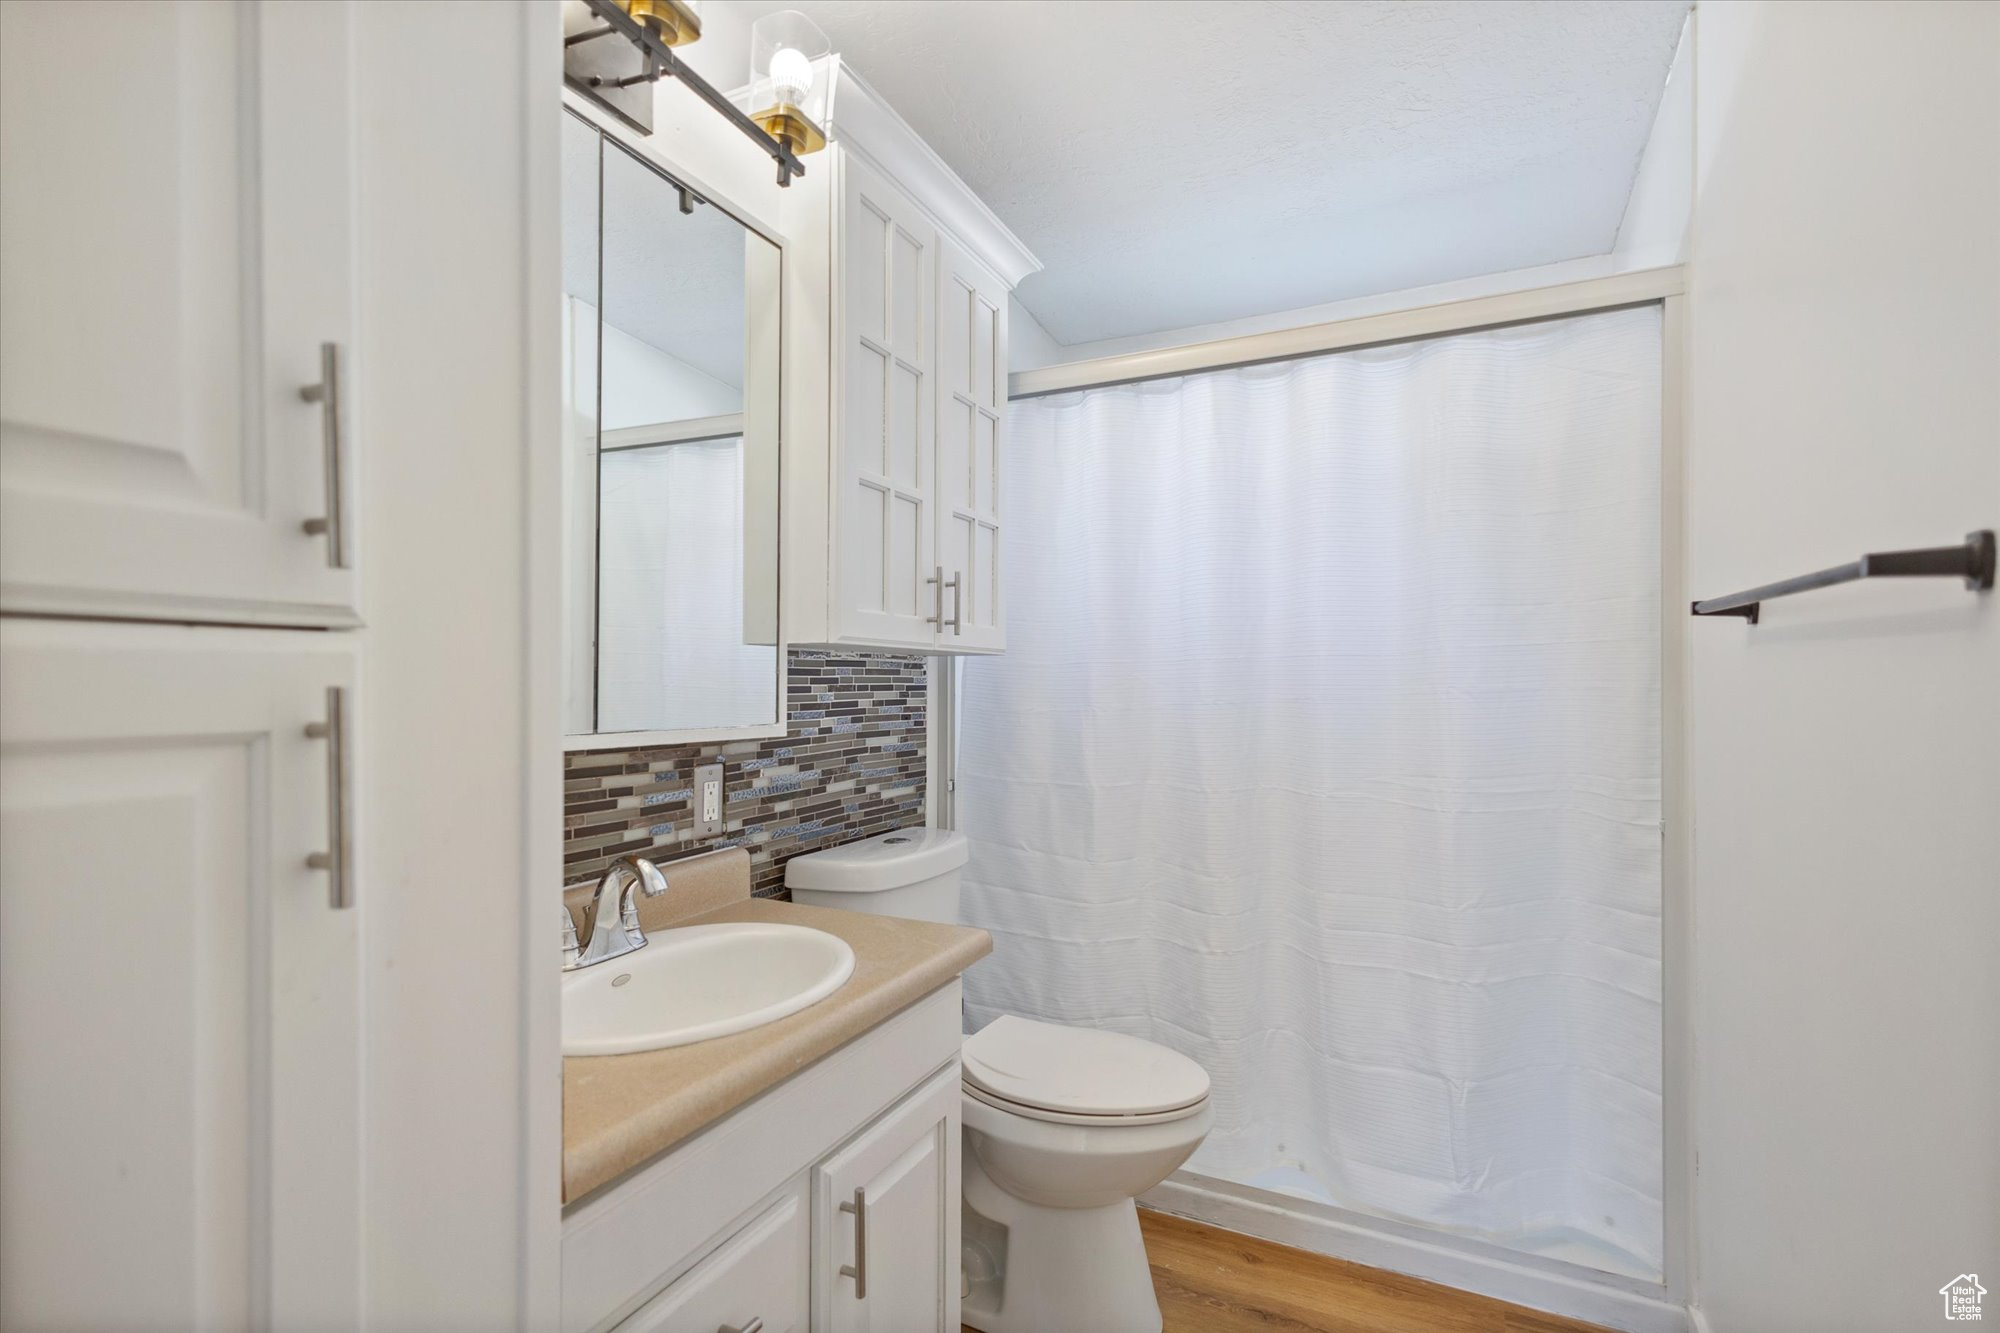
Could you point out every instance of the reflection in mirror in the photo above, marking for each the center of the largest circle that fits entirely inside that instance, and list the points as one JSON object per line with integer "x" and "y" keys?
{"x": 671, "y": 403}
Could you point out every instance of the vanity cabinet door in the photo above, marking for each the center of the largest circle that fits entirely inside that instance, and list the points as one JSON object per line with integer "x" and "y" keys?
{"x": 972, "y": 406}
{"x": 179, "y": 1017}
{"x": 885, "y": 581}
{"x": 886, "y": 1220}
{"x": 176, "y": 248}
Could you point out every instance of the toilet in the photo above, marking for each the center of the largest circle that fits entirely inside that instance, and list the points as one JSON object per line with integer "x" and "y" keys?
{"x": 1064, "y": 1126}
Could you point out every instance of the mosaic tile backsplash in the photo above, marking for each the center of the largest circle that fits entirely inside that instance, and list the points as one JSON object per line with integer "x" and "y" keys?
{"x": 851, "y": 767}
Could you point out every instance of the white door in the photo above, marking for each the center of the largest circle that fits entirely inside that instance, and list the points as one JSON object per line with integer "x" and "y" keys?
{"x": 887, "y": 586}
{"x": 972, "y": 405}
{"x": 886, "y": 1220}
{"x": 176, "y": 245}
{"x": 179, "y": 1090}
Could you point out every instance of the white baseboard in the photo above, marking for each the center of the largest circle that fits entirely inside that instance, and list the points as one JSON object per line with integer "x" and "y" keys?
{"x": 1616, "y": 1302}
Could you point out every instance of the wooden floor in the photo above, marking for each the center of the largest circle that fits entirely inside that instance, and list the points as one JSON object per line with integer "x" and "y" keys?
{"x": 1214, "y": 1281}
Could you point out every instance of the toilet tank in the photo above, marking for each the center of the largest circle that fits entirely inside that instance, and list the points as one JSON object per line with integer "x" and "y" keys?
{"x": 911, "y": 872}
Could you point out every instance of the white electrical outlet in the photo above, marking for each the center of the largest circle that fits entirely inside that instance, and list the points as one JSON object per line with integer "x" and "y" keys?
{"x": 708, "y": 800}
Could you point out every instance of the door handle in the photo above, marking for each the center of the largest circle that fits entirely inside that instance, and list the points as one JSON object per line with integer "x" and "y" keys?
{"x": 327, "y": 394}
{"x": 858, "y": 1270}
{"x": 957, "y": 602}
{"x": 338, "y": 859}
{"x": 754, "y": 1326}
{"x": 937, "y": 585}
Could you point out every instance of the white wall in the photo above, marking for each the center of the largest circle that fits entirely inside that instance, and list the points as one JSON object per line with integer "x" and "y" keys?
{"x": 455, "y": 394}
{"x": 1654, "y": 229}
{"x": 1845, "y": 396}
{"x": 644, "y": 386}
{"x": 1029, "y": 345}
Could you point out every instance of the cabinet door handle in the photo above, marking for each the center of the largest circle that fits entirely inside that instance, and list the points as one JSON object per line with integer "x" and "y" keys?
{"x": 937, "y": 585}
{"x": 754, "y": 1326}
{"x": 327, "y": 394}
{"x": 858, "y": 1270}
{"x": 338, "y": 859}
{"x": 957, "y": 602}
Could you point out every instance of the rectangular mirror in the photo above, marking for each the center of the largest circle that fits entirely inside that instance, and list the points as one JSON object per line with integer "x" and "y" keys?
{"x": 671, "y": 411}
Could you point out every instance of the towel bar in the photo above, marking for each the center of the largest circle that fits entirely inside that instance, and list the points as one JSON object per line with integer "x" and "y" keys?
{"x": 1971, "y": 560}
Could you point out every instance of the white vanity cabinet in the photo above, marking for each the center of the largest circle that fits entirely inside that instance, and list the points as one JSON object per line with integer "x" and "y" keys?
{"x": 885, "y": 1253}
{"x": 830, "y": 1202}
{"x": 179, "y": 255}
{"x": 896, "y": 387}
{"x": 758, "y": 1279}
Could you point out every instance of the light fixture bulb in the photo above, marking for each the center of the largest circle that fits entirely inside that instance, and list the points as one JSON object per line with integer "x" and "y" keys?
{"x": 791, "y": 75}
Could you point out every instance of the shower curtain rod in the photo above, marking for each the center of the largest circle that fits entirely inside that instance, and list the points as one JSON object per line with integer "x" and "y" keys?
{"x": 1533, "y": 305}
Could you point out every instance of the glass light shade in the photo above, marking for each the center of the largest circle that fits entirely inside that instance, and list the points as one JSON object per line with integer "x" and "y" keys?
{"x": 674, "y": 22}
{"x": 788, "y": 79}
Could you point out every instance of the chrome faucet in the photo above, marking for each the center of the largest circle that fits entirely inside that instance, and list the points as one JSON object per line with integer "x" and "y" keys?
{"x": 612, "y": 919}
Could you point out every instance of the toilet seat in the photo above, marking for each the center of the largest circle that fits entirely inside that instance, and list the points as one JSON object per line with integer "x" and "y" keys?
{"x": 1028, "y": 1112}
{"x": 1080, "y": 1076}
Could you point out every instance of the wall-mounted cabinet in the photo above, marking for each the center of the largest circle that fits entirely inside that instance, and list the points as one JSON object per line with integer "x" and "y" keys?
{"x": 896, "y": 374}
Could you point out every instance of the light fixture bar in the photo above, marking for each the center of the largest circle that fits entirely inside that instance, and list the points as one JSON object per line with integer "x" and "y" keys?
{"x": 662, "y": 62}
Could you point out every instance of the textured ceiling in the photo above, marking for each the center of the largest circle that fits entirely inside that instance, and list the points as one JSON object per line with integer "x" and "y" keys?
{"x": 673, "y": 280}
{"x": 1181, "y": 163}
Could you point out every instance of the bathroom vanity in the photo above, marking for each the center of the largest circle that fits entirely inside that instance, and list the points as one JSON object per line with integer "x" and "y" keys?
{"x": 804, "y": 1173}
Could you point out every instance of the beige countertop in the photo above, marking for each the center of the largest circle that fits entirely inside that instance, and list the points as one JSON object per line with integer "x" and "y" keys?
{"x": 620, "y": 1111}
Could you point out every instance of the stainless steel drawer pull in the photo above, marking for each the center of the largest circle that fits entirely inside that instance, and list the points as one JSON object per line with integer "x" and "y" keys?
{"x": 937, "y": 584}
{"x": 858, "y": 1270}
{"x": 754, "y": 1326}
{"x": 338, "y": 859}
{"x": 327, "y": 394}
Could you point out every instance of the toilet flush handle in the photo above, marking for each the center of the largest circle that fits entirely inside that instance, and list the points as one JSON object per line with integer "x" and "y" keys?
{"x": 858, "y": 1270}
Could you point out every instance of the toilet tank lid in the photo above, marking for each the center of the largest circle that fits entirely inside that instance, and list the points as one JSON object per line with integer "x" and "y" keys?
{"x": 885, "y": 861}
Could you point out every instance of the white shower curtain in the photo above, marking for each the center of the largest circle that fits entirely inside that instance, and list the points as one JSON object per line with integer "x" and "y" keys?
{"x": 1326, "y": 751}
{"x": 671, "y": 651}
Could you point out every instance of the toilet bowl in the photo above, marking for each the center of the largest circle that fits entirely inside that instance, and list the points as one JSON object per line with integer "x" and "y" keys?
{"x": 1063, "y": 1126}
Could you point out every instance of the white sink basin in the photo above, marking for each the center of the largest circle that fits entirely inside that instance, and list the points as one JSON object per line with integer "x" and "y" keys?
{"x": 696, "y": 982}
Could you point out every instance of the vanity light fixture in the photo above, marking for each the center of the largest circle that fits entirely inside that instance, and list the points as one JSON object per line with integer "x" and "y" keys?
{"x": 788, "y": 79}
{"x": 618, "y": 75}
{"x": 674, "y": 22}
